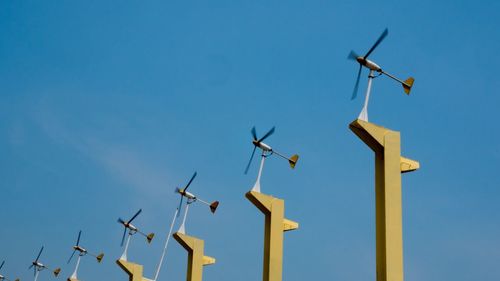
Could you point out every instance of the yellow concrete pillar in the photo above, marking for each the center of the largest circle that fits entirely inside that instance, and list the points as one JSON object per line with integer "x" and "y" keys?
{"x": 133, "y": 270}
{"x": 196, "y": 259}
{"x": 275, "y": 225}
{"x": 388, "y": 210}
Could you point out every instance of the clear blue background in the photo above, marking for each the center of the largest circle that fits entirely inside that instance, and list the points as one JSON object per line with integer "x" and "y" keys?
{"x": 107, "y": 106}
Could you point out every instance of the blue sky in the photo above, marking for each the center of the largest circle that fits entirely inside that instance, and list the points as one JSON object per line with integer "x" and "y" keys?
{"x": 106, "y": 107}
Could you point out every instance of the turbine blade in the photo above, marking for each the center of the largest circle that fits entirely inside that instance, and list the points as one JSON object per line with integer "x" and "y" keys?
{"x": 123, "y": 237}
{"x": 2, "y": 264}
{"x": 379, "y": 40}
{"x": 352, "y": 55}
{"x": 355, "y": 91}
{"x": 190, "y": 181}
{"x": 135, "y": 216}
{"x": 34, "y": 271}
{"x": 250, "y": 161}
{"x": 39, "y": 253}
{"x": 267, "y": 134}
{"x": 254, "y": 133}
{"x": 78, "y": 240}
{"x": 180, "y": 206}
{"x": 71, "y": 256}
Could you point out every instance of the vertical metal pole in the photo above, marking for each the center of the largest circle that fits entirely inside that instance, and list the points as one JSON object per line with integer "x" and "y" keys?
{"x": 182, "y": 229}
{"x": 166, "y": 244}
{"x": 363, "y": 115}
{"x": 124, "y": 255}
{"x": 256, "y": 186}
{"x": 74, "y": 275}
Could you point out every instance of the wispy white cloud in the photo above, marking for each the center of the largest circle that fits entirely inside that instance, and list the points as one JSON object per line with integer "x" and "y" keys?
{"x": 119, "y": 160}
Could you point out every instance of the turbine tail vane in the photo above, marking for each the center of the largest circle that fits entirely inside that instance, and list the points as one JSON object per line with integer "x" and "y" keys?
{"x": 408, "y": 83}
{"x": 99, "y": 257}
{"x": 57, "y": 271}
{"x": 213, "y": 206}
{"x": 293, "y": 160}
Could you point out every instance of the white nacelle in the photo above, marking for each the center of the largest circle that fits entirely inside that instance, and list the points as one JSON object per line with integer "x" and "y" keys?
{"x": 189, "y": 195}
{"x": 131, "y": 227}
{"x": 373, "y": 66}
{"x": 264, "y": 146}
{"x": 369, "y": 64}
{"x": 79, "y": 249}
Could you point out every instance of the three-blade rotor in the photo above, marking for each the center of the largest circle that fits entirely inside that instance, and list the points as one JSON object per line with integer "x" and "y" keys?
{"x": 37, "y": 266}
{"x": 34, "y": 264}
{"x": 76, "y": 246}
{"x": 192, "y": 198}
{"x": 132, "y": 229}
{"x": 182, "y": 192}
{"x": 362, "y": 60}
{"x": 83, "y": 251}
{"x": 126, "y": 224}
{"x": 257, "y": 143}
{"x": 3, "y": 277}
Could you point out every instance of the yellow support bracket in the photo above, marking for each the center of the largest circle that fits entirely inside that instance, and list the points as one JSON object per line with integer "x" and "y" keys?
{"x": 275, "y": 224}
{"x": 388, "y": 209}
{"x": 208, "y": 260}
{"x": 289, "y": 225}
{"x": 196, "y": 258}
{"x": 408, "y": 165}
{"x": 133, "y": 270}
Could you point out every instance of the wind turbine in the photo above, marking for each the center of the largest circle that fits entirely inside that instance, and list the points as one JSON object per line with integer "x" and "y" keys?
{"x": 38, "y": 266}
{"x": 3, "y": 277}
{"x": 81, "y": 252}
{"x": 373, "y": 67}
{"x": 190, "y": 197}
{"x": 266, "y": 151}
{"x": 131, "y": 231}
